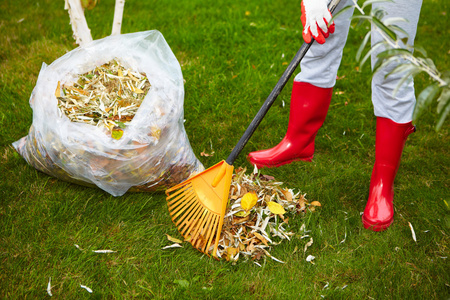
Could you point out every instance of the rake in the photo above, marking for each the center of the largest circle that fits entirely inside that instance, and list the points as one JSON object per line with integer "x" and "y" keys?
{"x": 197, "y": 206}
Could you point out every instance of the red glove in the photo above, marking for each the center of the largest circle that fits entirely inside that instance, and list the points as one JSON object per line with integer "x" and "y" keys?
{"x": 315, "y": 18}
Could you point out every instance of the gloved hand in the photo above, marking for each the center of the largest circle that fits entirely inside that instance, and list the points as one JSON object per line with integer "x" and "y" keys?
{"x": 315, "y": 18}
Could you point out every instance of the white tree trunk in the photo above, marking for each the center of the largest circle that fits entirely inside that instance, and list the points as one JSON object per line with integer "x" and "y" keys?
{"x": 118, "y": 15}
{"x": 81, "y": 31}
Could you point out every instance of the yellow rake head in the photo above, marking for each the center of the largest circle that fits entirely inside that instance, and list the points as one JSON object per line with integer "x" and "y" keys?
{"x": 197, "y": 206}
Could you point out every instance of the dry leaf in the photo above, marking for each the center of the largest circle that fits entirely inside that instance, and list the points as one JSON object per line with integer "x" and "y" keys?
{"x": 206, "y": 154}
{"x": 172, "y": 239}
{"x": 308, "y": 244}
{"x": 276, "y": 208}
{"x": 103, "y": 251}
{"x": 310, "y": 259}
{"x": 288, "y": 194}
{"x": 231, "y": 252}
{"x": 172, "y": 246}
{"x": 242, "y": 213}
{"x": 249, "y": 200}
{"x": 49, "y": 287}
{"x": 261, "y": 238}
{"x": 316, "y": 203}
{"x": 267, "y": 177}
{"x": 58, "y": 90}
{"x": 86, "y": 288}
{"x": 412, "y": 232}
{"x": 116, "y": 133}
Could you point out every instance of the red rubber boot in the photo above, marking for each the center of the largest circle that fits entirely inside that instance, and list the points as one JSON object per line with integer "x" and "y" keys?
{"x": 390, "y": 141}
{"x": 309, "y": 107}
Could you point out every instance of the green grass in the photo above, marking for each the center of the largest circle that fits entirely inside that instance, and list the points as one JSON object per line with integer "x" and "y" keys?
{"x": 42, "y": 218}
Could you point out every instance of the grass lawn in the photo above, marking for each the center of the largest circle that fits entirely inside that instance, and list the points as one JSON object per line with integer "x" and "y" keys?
{"x": 232, "y": 54}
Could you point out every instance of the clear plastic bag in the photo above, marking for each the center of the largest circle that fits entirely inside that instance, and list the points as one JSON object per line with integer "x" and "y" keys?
{"x": 83, "y": 153}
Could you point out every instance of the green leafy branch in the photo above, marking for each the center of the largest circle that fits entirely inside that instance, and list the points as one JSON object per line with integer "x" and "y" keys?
{"x": 411, "y": 60}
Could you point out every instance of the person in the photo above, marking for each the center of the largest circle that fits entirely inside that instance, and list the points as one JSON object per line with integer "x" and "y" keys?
{"x": 312, "y": 92}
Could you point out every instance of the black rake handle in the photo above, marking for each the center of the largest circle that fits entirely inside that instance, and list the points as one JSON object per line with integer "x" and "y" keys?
{"x": 274, "y": 94}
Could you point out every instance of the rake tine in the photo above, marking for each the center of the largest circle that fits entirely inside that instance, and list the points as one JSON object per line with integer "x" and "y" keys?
{"x": 186, "y": 192}
{"x": 188, "y": 215}
{"x": 212, "y": 233}
{"x": 194, "y": 219}
{"x": 186, "y": 202}
{"x": 200, "y": 226}
{"x": 206, "y": 227}
{"x": 180, "y": 189}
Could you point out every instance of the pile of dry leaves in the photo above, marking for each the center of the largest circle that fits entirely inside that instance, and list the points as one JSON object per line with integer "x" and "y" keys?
{"x": 257, "y": 217}
{"x": 107, "y": 96}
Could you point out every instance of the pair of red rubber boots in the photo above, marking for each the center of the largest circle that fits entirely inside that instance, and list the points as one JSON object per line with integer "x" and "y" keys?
{"x": 309, "y": 107}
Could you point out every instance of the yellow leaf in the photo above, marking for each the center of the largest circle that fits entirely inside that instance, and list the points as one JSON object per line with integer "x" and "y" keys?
{"x": 242, "y": 213}
{"x": 58, "y": 90}
{"x": 137, "y": 90}
{"x": 316, "y": 203}
{"x": 117, "y": 133}
{"x": 156, "y": 132}
{"x": 172, "y": 239}
{"x": 119, "y": 73}
{"x": 231, "y": 252}
{"x": 249, "y": 200}
{"x": 276, "y": 208}
{"x": 241, "y": 247}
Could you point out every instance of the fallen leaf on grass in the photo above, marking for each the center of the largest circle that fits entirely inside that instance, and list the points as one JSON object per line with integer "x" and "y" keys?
{"x": 206, "y": 154}
{"x": 412, "y": 232}
{"x": 103, "y": 251}
{"x": 172, "y": 239}
{"x": 49, "y": 287}
{"x": 172, "y": 246}
{"x": 274, "y": 258}
{"x": 316, "y": 203}
{"x": 310, "y": 259}
{"x": 308, "y": 244}
{"x": 86, "y": 288}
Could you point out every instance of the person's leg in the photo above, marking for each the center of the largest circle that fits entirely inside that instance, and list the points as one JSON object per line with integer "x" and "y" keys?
{"x": 310, "y": 98}
{"x": 394, "y": 115}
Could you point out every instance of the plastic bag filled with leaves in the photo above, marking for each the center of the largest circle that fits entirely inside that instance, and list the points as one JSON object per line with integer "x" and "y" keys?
{"x": 110, "y": 114}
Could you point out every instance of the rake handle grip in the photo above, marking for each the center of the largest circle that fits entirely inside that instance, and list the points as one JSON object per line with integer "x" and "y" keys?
{"x": 274, "y": 94}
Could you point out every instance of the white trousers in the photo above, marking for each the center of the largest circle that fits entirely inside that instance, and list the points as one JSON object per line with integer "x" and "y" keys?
{"x": 320, "y": 65}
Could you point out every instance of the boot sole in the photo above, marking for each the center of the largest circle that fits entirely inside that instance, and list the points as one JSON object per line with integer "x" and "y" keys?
{"x": 376, "y": 226}
{"x": 260, "y": 166}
